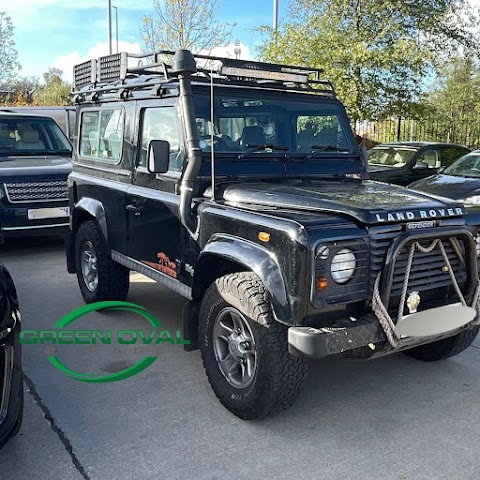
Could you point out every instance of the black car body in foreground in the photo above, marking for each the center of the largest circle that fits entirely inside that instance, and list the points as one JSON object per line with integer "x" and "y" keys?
{"x": 11, "y": 387}
{"x": 281, "y": 248}
{"x": 35, "y": 160}
{"x": 404, "y": 163}
{"x": 460, "y": 181}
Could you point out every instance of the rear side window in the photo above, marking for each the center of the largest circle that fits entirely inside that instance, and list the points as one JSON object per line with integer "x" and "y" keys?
{"x": 101, "y": 134}
{"x": 450, "y": 154}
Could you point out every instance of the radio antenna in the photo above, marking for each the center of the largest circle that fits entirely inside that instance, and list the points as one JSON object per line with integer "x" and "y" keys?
{"x": 212, "y": 127}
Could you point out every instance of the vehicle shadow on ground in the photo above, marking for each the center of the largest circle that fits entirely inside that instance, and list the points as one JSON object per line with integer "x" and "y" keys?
{"x": 53, "y": 243}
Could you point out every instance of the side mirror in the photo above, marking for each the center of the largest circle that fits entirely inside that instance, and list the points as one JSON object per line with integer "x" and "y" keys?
{"x": 420, "y": 166}
{"x": 158, "y": 156}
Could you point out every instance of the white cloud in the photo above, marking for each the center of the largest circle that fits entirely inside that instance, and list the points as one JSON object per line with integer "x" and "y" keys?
{"x": 68, "y": 61}
{"x": 231, "y": 50}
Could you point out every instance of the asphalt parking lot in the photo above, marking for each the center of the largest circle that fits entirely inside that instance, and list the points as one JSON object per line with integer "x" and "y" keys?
{"x": 394, "y": 418}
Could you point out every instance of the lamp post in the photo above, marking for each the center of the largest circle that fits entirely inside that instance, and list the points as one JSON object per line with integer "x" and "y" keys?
{"x": 275, "y": 15}
{"x": 109, "y": 23}
{"x": 116, "y": 26}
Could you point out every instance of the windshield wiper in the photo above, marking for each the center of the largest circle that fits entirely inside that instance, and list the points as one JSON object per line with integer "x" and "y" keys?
{"x": 325, "y": 148}
{"x": 260, "y": 148}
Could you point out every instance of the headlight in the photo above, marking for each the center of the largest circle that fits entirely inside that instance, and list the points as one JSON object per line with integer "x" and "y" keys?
{"x": 477, "y": 244}
{"x": 473, "y": 200}
{"x": 343, "y": 266}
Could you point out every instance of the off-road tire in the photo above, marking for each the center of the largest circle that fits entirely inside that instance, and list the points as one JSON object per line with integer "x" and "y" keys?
{"x": 113, "y": 279}
{"x": 446, "y": 348}
{"x": 279, "y": 376}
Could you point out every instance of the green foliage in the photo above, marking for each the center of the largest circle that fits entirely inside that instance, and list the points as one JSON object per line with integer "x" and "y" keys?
{"x": 8, "y": 55}
{"x": 377, "y": 53}
{"x": 30, "y": 91}
{"x": 188, "y": 24}
{"x": 55, "y": 91}
{"x": 455, "y": 99}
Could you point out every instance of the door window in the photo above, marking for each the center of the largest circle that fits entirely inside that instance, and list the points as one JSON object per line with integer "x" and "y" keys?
{"x": 161, "y": 124}
{"x": 429, "y": 157}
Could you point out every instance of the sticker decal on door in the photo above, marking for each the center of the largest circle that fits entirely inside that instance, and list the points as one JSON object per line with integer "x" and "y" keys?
{"x": 164, "y": 265}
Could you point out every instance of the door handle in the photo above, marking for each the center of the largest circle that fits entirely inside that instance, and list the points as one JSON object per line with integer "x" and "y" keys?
{"x": 134, "y": 208}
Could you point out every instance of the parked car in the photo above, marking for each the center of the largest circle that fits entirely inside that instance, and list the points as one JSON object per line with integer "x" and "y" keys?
{"x": 35, "y": 160}
{"x": 404, "y": 163}
{"x": 11, "y": 386}
{"x": 64, "y": 116}
{"x": 460, "y": 181}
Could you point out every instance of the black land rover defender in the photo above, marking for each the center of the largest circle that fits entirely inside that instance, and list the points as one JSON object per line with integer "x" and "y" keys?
{"x": 239, "y": 185}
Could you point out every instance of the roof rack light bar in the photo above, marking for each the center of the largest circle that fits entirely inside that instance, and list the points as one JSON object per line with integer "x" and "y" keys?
{"x": 112, "y": 67}
{"x": 84, "y": 74}
{"x": 264, "y": 74}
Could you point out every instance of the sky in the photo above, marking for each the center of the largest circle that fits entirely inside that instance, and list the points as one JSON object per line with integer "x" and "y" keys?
{"x": 60, "y": 34}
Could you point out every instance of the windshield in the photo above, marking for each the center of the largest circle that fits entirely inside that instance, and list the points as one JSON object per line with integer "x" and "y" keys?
{"x": 467, "y": 166}
{"x": 390, "y": 157}
{"x": 275, "y": 123}
{"x": 28, "y": 136}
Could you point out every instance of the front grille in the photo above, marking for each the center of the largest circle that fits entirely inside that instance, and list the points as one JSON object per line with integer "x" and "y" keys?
{"x": 36, "y": 191}
{"x": 427, "y": 272}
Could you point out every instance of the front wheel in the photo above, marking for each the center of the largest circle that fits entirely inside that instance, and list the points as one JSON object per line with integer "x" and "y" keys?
{"x": 99, "y": 277}
{"x": 446, "y": 348}
{"x": 245, "y": 351}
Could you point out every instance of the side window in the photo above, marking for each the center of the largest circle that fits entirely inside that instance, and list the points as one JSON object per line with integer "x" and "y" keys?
{"x": 101, "y": 134}
{"x": 450, "y": 154}
{"x": 430, "y": 157}
{"x": 160, "y": 124}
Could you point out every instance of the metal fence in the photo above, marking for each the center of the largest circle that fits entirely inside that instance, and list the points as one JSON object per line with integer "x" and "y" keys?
{"x": 464, "y": 131}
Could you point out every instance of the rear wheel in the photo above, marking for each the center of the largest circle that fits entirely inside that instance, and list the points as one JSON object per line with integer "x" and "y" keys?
{"x": 245, "y": 351}
{"x": 99, "y": 277}
{"x": 446, "y": 348}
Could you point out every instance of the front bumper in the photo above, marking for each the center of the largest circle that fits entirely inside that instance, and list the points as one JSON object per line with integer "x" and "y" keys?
{"x": 15, "y": 221}
{"x": 364, "y": 338}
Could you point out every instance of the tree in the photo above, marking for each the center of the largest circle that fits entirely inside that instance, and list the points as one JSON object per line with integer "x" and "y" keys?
{"x": 55, "y": 91}
{"x": 8, "y": 55}
{"x": 456, "y": 99}
{"x": 24, "y": 89}
{"x": 188, "y": 24}
{"x": 377, "y": 53}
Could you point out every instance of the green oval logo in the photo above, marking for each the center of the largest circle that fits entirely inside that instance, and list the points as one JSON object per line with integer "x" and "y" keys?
{"x": 97, "y": 307}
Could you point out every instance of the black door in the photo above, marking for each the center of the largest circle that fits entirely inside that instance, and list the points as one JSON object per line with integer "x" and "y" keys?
{"x": 154, "y": 229}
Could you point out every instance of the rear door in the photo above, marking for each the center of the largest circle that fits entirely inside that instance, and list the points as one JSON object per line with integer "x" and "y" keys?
{"x": 103, "y": 169}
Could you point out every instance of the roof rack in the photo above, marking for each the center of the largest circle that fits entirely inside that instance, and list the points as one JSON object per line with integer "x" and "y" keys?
{"x": 111, "y": 72}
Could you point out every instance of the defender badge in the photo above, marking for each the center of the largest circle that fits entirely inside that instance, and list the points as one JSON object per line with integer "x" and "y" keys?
{"x": 413, "y": 301}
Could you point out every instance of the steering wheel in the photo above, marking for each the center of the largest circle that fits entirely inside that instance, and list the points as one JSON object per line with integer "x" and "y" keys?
{"x": 218, "y": 142}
